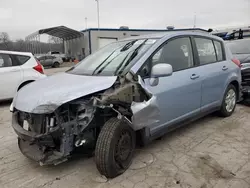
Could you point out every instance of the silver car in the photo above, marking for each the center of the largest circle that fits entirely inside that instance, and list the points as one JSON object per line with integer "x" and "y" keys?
{"x": 137, "y": 89}
{"x": 50, "y": 61}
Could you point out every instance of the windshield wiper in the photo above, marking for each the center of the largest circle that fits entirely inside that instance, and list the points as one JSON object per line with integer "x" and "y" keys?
{"x": 135, "y": 52}
{"x": 103, "y": 62}
{"x": 106, "y": 65}
{"x": 126, "y": 47}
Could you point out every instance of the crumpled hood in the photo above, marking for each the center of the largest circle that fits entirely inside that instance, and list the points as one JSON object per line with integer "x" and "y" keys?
{"x": 45, "y": 95}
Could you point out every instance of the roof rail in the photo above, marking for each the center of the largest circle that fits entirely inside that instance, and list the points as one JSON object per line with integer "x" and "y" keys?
{"x": 139, "y": 30}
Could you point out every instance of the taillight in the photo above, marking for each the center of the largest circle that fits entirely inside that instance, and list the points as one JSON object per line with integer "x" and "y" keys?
{"x": 237, "y": 62}
{"x": 38, "y": 67}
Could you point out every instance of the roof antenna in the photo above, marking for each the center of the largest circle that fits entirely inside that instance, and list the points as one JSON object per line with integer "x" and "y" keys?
{"x": 194, "y": 20}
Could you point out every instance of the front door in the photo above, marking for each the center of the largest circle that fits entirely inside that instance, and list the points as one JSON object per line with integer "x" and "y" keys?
{"x": 179, "y": 95}
{"x": 10, "y": 76}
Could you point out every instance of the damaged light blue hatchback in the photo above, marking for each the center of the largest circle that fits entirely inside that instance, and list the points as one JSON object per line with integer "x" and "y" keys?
{"x": 134, "y": 90}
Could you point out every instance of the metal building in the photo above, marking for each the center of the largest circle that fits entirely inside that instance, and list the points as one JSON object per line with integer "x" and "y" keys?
{"x": 95, "y": 38}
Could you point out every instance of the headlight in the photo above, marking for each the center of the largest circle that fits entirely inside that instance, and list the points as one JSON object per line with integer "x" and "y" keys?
{"x": 245, "y": 66}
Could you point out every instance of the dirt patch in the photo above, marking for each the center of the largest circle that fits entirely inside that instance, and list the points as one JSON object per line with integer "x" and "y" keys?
{"x": 210, "y": 168}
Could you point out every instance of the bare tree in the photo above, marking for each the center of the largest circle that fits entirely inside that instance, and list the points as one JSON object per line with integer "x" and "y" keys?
{"x": 20, "y": 45}
{"x": 5, "y": 40}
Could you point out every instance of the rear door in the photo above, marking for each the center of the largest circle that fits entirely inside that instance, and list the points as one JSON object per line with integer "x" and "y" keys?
{"x": 10, "y": 76}
{"x": 214, "y": 71}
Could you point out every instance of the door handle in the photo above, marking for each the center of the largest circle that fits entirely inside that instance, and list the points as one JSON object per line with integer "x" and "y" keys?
{"x": 14, "y": 70}
{"x": 224, "y": 68}
{"x": 194, "y": 76}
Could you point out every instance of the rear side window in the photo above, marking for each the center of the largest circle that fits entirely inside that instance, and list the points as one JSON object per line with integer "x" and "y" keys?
{"x": 22, "y": 59}
{"x": 5, "y": 61}
{"x": 218, "y": 48}
{"x": 206, "y": 51}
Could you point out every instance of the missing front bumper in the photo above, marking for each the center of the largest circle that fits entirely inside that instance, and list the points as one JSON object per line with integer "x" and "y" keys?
{"x": 38, "y": 147}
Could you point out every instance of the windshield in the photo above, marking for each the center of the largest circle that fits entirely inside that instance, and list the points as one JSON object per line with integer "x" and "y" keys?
{"x": 239, "y": 46}
{"x": 112, "y": 59}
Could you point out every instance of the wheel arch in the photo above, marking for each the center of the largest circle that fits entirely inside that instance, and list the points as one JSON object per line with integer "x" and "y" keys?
{"x": 24, "y": 83}
{"x": 236, "y": 84}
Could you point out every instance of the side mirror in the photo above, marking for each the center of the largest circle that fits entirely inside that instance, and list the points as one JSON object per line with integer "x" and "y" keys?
{"x": 161, "y": 70}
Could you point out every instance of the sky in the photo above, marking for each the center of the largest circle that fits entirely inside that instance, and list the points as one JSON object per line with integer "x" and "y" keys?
{"x": 22, "y": 17}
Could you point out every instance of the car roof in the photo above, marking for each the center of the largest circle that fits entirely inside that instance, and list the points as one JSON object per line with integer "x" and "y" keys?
{"x": 169, "y": 34}
{"x": 16, "y": 53}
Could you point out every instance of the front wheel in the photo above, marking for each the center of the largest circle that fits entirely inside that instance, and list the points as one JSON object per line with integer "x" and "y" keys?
{"x": 114, "y": 148}
{"x": 229, "y": 102}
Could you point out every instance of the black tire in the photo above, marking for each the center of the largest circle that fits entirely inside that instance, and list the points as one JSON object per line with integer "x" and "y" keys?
{"x": 223, "y": 110}
{"x": 113, "y": 133}
{"x": 56, "y": 65}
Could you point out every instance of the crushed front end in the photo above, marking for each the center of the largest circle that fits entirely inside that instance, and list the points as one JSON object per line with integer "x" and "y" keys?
{"x": 53, "y": 134}
{"x": 51, "y": 138}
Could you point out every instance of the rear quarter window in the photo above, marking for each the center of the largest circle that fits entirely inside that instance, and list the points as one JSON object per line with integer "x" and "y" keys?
{"x": 22, "y": 59}
{"x": 219, "y": 52}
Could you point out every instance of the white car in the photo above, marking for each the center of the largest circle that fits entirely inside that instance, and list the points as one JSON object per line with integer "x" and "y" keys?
{"x": 17, "y": 69}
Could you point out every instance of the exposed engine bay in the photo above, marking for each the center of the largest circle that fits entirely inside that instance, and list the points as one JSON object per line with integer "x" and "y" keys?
{"x": 50, "y": 138}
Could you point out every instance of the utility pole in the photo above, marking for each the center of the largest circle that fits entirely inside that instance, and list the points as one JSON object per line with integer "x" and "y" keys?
{"x": 98, "y": 13}
{"x": 195, "y": 21}
{"x": 86, "y": 23}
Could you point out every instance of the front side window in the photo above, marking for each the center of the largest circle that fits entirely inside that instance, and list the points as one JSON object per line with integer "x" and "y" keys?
{"x": 50, "y": 57}
{"x": 206, "y": 51}
{"x": 5, "y": 60}
{"x": 177, "y": 52}
{"x": 113, "y": 59}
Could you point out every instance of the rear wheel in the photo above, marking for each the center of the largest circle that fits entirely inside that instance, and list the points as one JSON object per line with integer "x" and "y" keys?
{"x": 114, "y": 148}
{"x": 229, "y": 102}
{"x": 56, "y": 65}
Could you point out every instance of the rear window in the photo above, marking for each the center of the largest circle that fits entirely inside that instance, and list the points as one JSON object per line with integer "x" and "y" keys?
{"x": 22, "y": 59}
{"x": 55, "y": 52}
